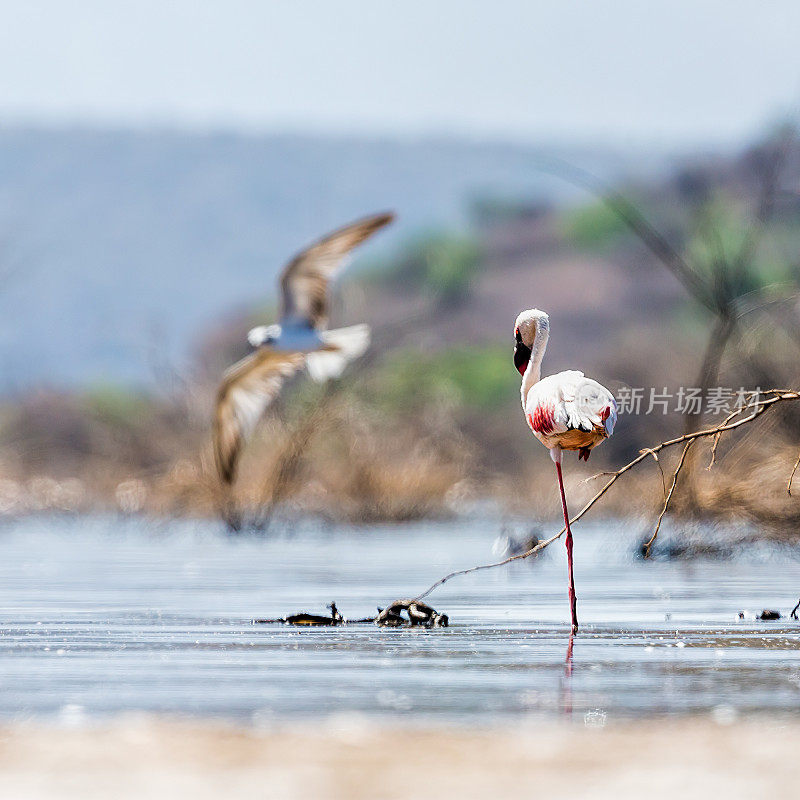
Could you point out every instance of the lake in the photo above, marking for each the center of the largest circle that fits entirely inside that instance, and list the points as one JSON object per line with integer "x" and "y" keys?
{"x": 107, "y": 615}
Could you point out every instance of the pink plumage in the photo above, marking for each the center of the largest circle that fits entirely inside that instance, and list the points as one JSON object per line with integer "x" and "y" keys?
{"x": 565, "y": 411}
{"x": 570, "y": 411}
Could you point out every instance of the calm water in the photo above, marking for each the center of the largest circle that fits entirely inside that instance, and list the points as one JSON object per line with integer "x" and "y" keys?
{"x": 101, "y": 616}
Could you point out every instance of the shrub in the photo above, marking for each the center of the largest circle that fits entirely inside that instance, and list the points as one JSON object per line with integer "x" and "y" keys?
{"x": 594, "y": 225}
{"x": 442, "y": 264}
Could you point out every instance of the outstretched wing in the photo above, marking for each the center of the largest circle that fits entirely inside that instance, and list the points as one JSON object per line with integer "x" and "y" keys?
{"x": 305, "y": 280}
{"x": 247, "y": 388}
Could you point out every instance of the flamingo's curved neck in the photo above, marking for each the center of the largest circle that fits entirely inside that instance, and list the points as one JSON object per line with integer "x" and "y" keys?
{"x": 534, "y": 370}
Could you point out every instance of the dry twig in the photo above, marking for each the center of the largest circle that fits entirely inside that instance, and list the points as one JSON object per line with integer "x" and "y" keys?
{"x": 791, "y": 476}
{"x": 681, "y": 461}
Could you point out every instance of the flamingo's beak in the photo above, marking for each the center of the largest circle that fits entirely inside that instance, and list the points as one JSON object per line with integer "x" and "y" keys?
{"x": 522, "y": 354}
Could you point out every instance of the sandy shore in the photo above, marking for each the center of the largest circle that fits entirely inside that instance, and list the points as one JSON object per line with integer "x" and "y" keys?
{"x": 139, "y": 758}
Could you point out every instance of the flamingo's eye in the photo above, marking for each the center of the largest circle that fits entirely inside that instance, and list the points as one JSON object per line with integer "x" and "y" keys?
{"x": 517, "y": 335}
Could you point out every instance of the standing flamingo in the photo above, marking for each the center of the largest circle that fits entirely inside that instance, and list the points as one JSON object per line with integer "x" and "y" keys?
{"x": 565, "y": 411}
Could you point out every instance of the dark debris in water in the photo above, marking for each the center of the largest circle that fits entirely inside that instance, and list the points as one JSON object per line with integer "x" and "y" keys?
{"x": 514, "y": 545}
{"x": 417, "y": 614}
{"x": 304, "y": 618}
{"x": 768, "y": 615}
{"x": 685, "y": 549}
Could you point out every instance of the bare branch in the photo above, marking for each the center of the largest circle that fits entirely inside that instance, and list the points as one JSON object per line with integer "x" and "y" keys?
{"x": 661, "y": 470}
{"x": 757, "y": 408}
{"x": 791, "y": 477}
{"x": 664, "y": 508}
{"x": 735, "y": 413}
{"x": 653, "y": 239}
{"x": 766, "y": 205}
{"x": 518, "y": 557}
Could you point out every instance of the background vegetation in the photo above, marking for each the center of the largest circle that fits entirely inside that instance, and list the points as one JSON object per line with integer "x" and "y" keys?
{"x": 689, "y": 279}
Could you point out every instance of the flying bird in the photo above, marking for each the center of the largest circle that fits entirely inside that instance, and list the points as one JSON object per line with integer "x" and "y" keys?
{"x": 301, "y": 339}
{"x": 565, "y": 411}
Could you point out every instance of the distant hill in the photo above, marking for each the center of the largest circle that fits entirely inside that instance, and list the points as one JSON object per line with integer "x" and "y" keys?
{"x": 116, "y": 242}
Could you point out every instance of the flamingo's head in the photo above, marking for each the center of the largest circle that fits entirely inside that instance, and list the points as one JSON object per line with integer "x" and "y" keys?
{"x": 530, "y": 324}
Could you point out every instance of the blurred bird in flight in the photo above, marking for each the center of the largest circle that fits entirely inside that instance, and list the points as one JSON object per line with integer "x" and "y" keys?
{"x": 301, "y": 339}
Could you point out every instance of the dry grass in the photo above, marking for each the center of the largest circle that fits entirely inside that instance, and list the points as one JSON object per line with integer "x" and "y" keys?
{"x": 337, "y": 456}
{"x": 342, "y": 459}
{"x": 749, "y": 484}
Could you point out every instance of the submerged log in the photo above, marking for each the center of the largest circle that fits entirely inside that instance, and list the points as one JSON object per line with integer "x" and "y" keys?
{"x": 304, "y": 618}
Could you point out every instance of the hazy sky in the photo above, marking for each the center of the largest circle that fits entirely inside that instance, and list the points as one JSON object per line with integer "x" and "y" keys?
{"x": 673, "y": 71}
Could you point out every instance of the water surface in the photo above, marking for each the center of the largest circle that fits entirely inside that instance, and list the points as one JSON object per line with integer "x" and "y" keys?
{"x": 102, "y": 616}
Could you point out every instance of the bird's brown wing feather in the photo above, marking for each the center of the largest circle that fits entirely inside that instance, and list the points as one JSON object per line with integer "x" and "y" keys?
{"x": 305, "y": 280}
{"x": 247, "y": 388}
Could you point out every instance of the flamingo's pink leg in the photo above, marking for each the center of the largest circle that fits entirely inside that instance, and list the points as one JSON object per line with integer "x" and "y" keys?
{"x": 573, "y": 602}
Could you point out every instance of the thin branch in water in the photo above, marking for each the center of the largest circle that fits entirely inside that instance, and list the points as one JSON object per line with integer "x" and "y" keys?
{"x": 754, "y": 404}
{"x": 664, "y": 508}
{"x": 535, "y": 549}
{"x": 661, "y": 470}
{"x": 791, "y": 477}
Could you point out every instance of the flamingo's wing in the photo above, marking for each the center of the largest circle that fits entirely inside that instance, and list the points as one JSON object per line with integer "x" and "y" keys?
{"x": 247, "y": 388}
{"x": 590, "y": 406}
{"x": 305, "y": 280}
{"x": 570, "y": 401}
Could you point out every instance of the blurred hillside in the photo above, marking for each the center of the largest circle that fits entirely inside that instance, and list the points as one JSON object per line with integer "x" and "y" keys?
{"x": 120, "y": 247}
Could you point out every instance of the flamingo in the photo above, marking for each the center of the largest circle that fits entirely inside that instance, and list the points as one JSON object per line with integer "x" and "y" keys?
{"x": 565, "y": 411}
{"x": 301, "y": 339}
